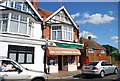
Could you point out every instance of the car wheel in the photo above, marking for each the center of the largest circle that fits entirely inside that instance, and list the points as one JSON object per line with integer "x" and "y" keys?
{"x": 102, "y": 74}
{"x": 37, "y": 80}
{"x": 115, "y": 71}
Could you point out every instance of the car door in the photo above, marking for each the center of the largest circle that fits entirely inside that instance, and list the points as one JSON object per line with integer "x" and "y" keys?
{"x": 111, "y": 67}
{"x": 14, "y": 75}
{"x": 0, "y": 71}
{"x": 105, "y": 67}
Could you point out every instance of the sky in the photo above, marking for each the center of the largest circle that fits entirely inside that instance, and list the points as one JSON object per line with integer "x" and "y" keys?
{"x": 97, "y": 19}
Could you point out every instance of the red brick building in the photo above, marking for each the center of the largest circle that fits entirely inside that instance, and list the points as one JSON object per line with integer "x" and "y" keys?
{"x": 62, "y": 34}
{"x": 93, "y": 51}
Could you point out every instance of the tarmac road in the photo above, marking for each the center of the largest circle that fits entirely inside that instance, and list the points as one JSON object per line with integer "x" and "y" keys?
{"x": 79, "y": 77}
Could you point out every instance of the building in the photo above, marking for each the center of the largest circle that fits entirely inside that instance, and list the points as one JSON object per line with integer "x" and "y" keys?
{"x": 92, "y": 51}
{"x": 62, "y": 34}
{"x": 21, "y": 33}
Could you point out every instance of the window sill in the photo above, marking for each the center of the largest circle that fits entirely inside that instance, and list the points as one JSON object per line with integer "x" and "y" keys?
{"x": 9, "y": 33}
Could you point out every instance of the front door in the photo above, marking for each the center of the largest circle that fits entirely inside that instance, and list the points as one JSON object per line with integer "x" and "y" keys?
{"x": 59, "y": 62}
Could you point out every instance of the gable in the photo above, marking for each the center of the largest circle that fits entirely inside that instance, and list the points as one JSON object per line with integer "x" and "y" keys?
{"x": 23, "y": 6}
{"x": 60, "y": 17}
{"x": 65, "y": 13}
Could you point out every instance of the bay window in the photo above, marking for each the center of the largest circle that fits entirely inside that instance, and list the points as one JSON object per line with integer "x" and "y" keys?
{"x": 62, "y": 32}
{"x": 15, "y": 23}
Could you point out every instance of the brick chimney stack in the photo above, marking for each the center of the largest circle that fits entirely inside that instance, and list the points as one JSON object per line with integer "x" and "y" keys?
{"x": 35, "y": 4}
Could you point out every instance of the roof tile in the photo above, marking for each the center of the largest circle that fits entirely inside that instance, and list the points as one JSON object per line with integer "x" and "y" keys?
{"x": 44, "y": 13}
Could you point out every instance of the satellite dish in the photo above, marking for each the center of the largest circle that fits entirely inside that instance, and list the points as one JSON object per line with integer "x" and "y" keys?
{"x": 76, "y": 40}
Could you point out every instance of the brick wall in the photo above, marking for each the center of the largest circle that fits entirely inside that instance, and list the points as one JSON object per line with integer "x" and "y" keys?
{"x": 47, "y": 33}
{"x": 96, "y": 52}
{"x": 98, "y": 58}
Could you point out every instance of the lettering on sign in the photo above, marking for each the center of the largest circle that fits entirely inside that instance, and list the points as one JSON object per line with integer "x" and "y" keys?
{"x": 64, "y": 52}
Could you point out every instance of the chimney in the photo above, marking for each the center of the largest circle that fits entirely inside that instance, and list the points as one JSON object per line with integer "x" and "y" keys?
{"x": 35, "y": 4}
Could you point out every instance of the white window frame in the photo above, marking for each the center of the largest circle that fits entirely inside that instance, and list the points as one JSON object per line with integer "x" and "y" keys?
{"x": 102, "y": 51}
{"x": 9, "y": 19}
{"x": 90, "y": 50}
{"x": 62, "y": 30}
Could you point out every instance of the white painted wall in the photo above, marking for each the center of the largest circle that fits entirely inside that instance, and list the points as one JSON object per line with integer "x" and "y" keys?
{"x": 6, "y": 40}
{"x": 3, "y": 49}
{"x": 37, "y": 31}
{"x": 72, "y": 67}
{"x": 53, "y": 68}
{"x": 38, "y": 55}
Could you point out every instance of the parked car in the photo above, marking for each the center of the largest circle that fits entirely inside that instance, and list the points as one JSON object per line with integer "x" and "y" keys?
{"x": 19, "y": 73}
{"x": 100, "y": 68}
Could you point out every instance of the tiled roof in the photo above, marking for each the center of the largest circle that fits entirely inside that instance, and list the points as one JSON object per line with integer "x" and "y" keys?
{"x": 92, "y": 44}
{"x": 44, "y": 13}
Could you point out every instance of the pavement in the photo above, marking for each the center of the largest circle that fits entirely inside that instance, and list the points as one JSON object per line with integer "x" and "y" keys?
{"x": 63, "y": 75}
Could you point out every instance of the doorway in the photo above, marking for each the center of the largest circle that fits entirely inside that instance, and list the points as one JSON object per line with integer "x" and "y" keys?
{"x": 59, "y": 62}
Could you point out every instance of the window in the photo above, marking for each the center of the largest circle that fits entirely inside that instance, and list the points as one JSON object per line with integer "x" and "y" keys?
{"x": 102, "y": 51}
{"x": 92, "y": 64}
{"x": 21, "y": 54}
{"x": 90, "y": 50}
{"x": 25, "y": 7}
{"x": 65, "y": 60}
{"x": 72, "y": 59}
{"x": 61, "y": 33}
{"x": 52, "y": 60}
{"x": 11, "y": 4}
{"x": 56, "y": 32}
{"x": 8, "y": 66}
{"x": 13, "y": 26}
{"x": 0, "y": 26}
{"x": 18, "y": 5}
{"x": 18, "y": 24}
{"x": 106, "y": 64}
{"x": 4, "y": 26}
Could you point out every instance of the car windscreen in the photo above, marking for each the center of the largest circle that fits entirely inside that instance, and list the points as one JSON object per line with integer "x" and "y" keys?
{"x": 91, "y": 64}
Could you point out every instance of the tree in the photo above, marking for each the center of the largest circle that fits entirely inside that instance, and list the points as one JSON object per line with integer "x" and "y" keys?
{"x": 110, "y": 49}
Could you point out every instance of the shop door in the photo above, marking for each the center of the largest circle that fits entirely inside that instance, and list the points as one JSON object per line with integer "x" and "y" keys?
{"x": 59, "y": 62}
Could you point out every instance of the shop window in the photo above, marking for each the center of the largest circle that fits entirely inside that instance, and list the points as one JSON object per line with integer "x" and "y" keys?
{"x": 72, "y": 59}
{"x": 21, "y": 54}
{"x": 52, "y": 60}
{"x": 65, "y": 60}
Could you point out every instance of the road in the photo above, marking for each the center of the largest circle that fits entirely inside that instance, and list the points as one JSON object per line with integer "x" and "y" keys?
{"x": 110, "y": 77}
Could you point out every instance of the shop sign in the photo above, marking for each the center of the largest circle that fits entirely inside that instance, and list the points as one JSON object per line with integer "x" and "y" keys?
{"x": 68, "y": 45}
{"x": 64, "y": 52}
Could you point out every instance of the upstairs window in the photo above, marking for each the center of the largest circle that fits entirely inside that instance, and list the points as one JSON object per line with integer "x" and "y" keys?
{"x": 61, "y": 33}
{"x": 16, "y": 24}
{"x": 102, "y": 51}
{"x": 19, "y": 6}
{"x": 90, "y": 50}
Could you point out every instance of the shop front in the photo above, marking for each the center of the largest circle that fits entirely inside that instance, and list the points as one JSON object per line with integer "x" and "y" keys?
{"x": 61, "y": 58}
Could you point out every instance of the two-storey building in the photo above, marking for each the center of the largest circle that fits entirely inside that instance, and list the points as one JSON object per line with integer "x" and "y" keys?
{"x": 62, "y": 34}
{"x": 21, "y": 33}
{"x": 92, "y": 51}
